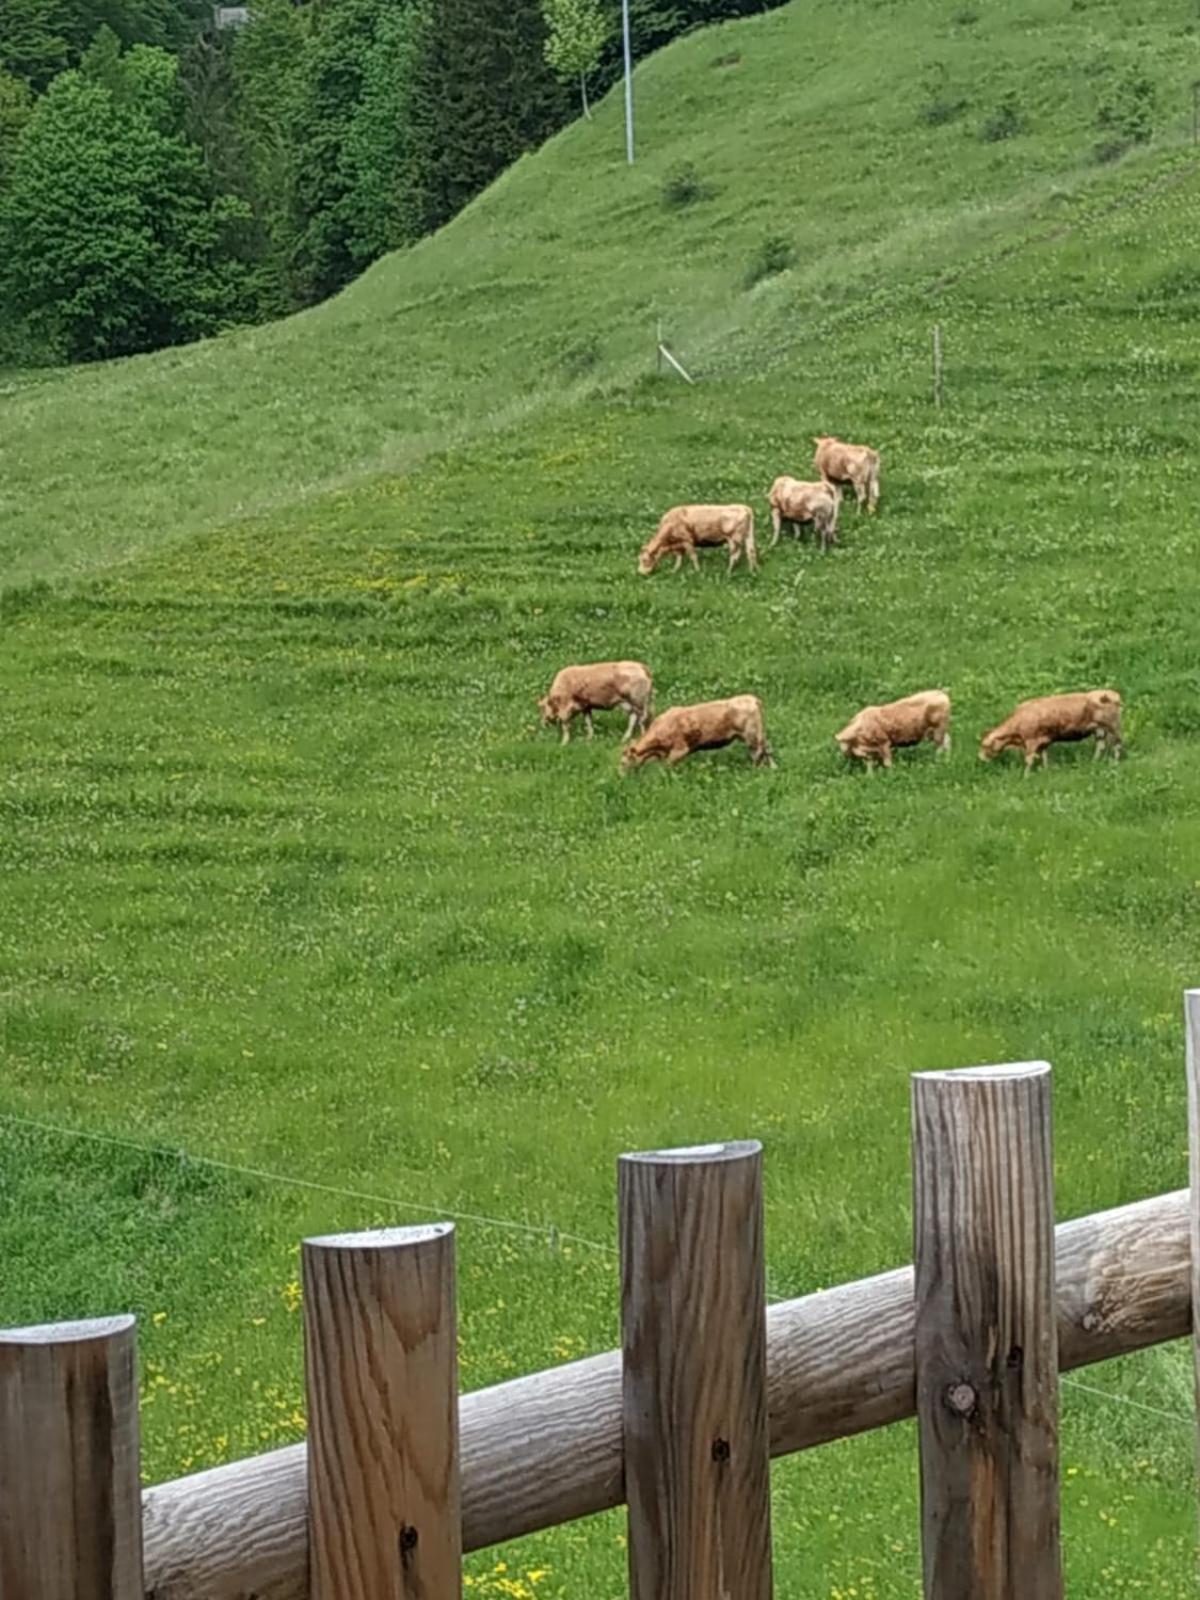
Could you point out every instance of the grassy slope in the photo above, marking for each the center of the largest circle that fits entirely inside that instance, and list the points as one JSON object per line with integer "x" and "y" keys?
{"x": 814, "y": 135}
{"x": 293, "y": 880}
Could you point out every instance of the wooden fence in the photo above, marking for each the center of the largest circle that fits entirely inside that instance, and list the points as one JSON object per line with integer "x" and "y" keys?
{"x": 399, "y": 1474}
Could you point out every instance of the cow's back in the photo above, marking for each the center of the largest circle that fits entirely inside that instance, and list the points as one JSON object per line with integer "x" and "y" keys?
{"x": 714, "y": 524}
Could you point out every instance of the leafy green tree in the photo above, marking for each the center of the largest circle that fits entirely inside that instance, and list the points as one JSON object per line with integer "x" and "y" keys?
{"x": 381, "y": 158}
{"x": 267, "y": 67}
{"x": 110, "y": 238}
{"x": 16, "y": 105}
{"x": 576, "y": 32}
{"x": 33, "y": 40}
{"x": 483, "y": 95}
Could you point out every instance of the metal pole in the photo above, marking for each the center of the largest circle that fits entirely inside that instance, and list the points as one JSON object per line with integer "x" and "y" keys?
{"x": 628, "y": 82}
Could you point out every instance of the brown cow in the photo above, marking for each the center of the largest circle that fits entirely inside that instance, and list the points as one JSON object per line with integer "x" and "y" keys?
{"x": 878, "y": 730}
{"x": 1058, "y": 719}
{"x": 855, "y": 464}
{"x": 795, "y": 502}
{"x": 683, "y": 528}
{"x": 599, "y": 687}
{"x": 683, "y": 729}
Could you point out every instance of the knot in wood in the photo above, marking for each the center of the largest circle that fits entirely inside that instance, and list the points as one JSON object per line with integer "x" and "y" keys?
{"x": 961, "y": 1398}
{"x": 720, "y": 1450}
{"x": 408, "y": 1539}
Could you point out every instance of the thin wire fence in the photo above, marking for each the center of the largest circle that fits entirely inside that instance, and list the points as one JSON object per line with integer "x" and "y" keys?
{"x": 548, "y": 1232}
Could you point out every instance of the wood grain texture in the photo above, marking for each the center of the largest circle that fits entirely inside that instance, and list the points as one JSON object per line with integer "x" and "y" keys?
{"x": 546, "y": 1449}
{"x": 693, "y": 1312}
{"x": 70, "y": 1489}
{"x": 380, "y": 1345}
{"x": 1191, "y": 1017}
{"x": 986, "y": 1333}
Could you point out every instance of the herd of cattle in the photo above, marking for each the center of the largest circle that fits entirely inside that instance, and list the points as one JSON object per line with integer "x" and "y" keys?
{"x": 876, "y": 731}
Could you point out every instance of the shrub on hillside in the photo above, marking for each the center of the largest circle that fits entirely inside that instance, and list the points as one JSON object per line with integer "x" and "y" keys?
{"x": 774, "y": 254}
{"x": 1005, "y": 121}
{"x": 942, "y": 103}
{"x": 1126, "y": 115}
{"x": 579, "y": 356}
{"x": 683, "y": 186}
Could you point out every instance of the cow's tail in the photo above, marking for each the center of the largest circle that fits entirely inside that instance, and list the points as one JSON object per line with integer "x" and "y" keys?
{"x": 751, "y": 547}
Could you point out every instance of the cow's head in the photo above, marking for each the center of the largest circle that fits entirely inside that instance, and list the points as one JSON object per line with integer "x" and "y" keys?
{"x": 991, "y": 745}
{"x": 648, "y": 559}
{"x": 545, "y": 712}
{"x": 631, "y": 756}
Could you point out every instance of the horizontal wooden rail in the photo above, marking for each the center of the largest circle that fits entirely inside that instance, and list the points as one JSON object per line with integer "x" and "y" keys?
{"x": 547, "y": 1448}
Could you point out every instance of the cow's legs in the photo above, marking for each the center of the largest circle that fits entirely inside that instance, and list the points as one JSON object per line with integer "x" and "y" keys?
{"x": 776, "y": 525}
{"x": 735, "y": 554}
{"x": 676, "y": 755}
{"x": 943, "y": 742}
{"x": 678, "y": 560}
{"x": 565, "y": 725}
{"x": 591, "y": 731}
{"x": 633, "y": 721}
{"x": 695, "y": 559}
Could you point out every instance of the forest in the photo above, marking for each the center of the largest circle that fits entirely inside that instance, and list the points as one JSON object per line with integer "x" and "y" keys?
{"x": 168, "y": 170}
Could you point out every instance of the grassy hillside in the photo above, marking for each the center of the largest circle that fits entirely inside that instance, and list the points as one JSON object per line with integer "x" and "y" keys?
{"x": 292, "y": 879}
{"x": 809, "y": 124}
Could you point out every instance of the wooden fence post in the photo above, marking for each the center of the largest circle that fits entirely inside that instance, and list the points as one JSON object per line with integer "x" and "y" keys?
{"x": 70, "y": 1488}
{"x": 1191, "y": 1006}
{"x": 986, "y": 1333}
{"x": 693, "y": 1306}
{"x": 382, "y": 1370}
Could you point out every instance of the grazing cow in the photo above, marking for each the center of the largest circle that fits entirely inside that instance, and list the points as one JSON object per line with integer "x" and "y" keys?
{"x": 855, "y": 464}
{"x": 1058, "y": 719}
{"x": 683, "y": 528}
{"x": 878, "y": 730}
{"x": 599, "y": 687}
{"x": 681, "y": 730}
{"x": 796, "y": 503}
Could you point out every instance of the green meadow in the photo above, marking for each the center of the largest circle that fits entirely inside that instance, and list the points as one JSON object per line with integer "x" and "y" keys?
{"x": 293, "y": 883}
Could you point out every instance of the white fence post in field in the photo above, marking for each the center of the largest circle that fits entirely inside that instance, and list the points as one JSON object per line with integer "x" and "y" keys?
{"x": 1191, "y": 1007}
{"x": 693, "y": 1305}
{"x": 665, "y": 353}
{"x": 382, "y": 1372}
{"x": 986, "y": 1333}
{"x": 70, "y": 1489}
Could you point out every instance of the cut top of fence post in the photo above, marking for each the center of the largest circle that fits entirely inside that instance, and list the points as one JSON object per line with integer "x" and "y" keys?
{"x": 375, "y": 1239}
{"x": 1014, "y": 1069}
{"x": 697, "y": 1154}
{"x": 70, "y": 1488}
{"x": 95, "y": 1331}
